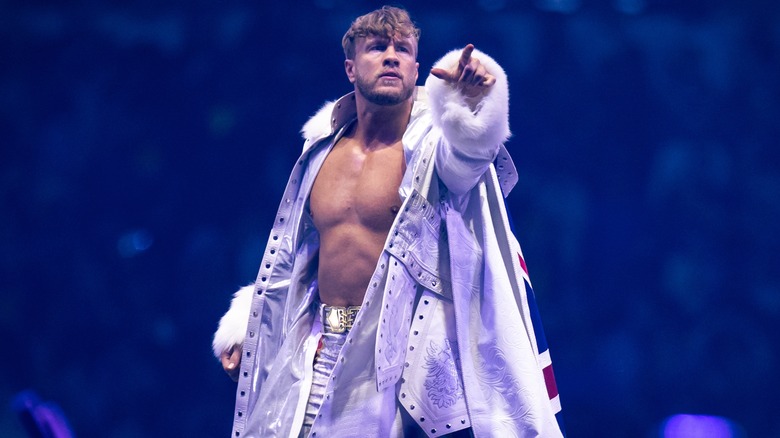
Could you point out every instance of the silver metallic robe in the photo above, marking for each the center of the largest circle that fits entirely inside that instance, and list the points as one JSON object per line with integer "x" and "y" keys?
{"x": 444, "y": 332}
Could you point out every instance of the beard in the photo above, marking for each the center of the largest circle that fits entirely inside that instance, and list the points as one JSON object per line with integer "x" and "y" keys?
{"x": 382, "y": 97}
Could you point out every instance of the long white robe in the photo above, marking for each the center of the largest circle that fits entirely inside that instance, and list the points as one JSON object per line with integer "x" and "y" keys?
{"x": 444, "y": 338}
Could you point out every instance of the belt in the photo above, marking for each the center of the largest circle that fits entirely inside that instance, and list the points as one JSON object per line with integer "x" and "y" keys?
{"x": 337, "y": 319}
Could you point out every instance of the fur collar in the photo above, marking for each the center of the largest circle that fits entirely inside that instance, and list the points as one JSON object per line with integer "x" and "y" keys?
{"x": 319, "y": 124}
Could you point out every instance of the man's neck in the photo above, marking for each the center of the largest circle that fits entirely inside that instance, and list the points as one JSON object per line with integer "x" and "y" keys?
{"x": 381, "y": 125}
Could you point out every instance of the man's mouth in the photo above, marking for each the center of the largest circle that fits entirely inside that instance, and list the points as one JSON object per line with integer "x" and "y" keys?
{"x": 390, "y": 74}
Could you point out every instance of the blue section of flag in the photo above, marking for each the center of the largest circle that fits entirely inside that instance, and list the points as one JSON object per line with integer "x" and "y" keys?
{"x": 536, "y": 319}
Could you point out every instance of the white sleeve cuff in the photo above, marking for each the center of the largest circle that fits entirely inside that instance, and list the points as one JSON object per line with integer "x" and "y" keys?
{"x": 232, "y": 326}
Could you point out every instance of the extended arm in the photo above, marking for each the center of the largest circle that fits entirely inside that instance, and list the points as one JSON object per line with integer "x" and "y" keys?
{"x": 469, "y": 98}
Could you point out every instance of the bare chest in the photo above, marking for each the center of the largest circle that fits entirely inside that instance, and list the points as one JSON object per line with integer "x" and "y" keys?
{"x": 356, "y": 186}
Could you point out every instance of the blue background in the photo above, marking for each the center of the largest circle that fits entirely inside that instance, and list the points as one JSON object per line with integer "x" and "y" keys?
{"x": 144, "y": 146}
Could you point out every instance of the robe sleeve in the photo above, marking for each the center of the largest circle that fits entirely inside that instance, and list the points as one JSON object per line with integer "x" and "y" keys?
{"x": 472, "y": 130}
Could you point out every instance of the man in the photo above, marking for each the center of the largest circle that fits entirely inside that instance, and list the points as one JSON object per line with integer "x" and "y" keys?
{"x": 390, "y": 299}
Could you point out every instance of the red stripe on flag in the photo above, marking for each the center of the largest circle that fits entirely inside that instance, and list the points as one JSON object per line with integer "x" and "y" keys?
{"x": 522, "y": 263}
{"x": 549, "y": 380}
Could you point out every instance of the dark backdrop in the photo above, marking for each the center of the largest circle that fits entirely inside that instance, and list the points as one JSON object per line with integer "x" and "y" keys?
{"x": 144, "y": 146}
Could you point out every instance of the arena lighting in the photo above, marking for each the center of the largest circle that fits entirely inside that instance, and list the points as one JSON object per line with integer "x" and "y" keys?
{"x": 134, "y": 242}
{"x": 41, "y": 418}
{"x": 561, "y": 6}
{"x": 699, "y": 426}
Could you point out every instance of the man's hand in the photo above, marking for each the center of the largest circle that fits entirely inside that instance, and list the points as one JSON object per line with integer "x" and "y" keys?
{"x": 469, "y": 75}
{"x": 231, "y": 361}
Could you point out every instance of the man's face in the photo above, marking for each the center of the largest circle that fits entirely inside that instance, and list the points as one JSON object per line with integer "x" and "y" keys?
{"x": 384, "y": 70}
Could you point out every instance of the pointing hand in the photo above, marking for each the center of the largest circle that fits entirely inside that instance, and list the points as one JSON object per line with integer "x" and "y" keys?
{"x": 469, "y": 75}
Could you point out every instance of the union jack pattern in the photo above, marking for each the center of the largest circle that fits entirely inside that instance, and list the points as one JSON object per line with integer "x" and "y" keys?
{"x": 542, "y": 348}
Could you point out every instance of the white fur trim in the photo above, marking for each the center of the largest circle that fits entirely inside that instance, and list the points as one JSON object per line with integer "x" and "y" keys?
{"x": 319, "y": 124}
{"x": 232, "y": 326}
{"x": 473, "y": 132}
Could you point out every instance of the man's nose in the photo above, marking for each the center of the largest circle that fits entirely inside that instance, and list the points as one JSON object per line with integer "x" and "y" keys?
{"x": 391, "y": 56}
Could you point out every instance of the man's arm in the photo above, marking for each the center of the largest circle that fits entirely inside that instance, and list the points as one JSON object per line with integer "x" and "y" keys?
{"x": 469, "y": 98}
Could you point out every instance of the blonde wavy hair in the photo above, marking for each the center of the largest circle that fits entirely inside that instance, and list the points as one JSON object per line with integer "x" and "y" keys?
{"x": 388, "y": 21}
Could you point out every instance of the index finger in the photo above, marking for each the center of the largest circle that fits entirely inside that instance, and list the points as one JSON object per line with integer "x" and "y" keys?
{"x": 465, "y": 56}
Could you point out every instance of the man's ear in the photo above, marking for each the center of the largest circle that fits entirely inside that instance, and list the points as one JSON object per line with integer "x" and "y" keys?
{"x": 416, "y": 71}
{"x": 349, "y": 67}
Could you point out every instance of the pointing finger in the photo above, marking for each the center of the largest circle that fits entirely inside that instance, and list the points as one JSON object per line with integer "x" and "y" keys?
{"x": 465, "y": 56}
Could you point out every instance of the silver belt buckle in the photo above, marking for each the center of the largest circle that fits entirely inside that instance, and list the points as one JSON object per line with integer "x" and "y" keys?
{"x": 337, "y": 319}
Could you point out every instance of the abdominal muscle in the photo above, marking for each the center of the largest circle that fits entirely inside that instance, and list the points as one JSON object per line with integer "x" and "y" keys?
{"x": 353, "y": 203}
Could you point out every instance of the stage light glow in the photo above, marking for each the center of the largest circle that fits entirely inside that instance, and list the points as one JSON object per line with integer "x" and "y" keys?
{"x": 699, "y": 426}
{"x": 134, "y": 242}
{"x": 561, "y": 6}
